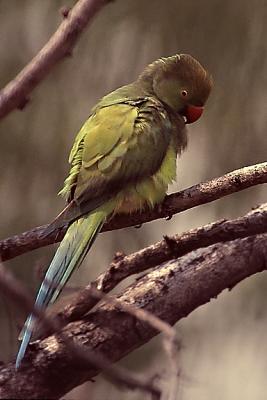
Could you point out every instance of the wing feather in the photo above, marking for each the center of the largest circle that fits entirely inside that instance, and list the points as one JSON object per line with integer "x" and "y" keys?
{"x": 118, "y": 146}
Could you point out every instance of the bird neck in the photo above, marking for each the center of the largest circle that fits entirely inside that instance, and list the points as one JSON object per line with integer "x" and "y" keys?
{"x": 146, "y": 78}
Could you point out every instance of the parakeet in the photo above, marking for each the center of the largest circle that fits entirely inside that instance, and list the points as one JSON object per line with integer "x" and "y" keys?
{"x": 122, "y": 160}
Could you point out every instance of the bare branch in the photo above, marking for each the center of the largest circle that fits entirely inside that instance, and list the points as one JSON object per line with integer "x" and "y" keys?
{"x": 13, "y": 290}
{"x": 16, "y": 93}
{"x": 170, "y": 292}
{"x": 175, "y": 203}
{"x": 170, "y": 343}
{"x": 255, "y": 222}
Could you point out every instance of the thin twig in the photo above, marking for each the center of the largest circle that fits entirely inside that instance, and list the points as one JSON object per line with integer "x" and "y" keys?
{"x": 16, "y": 93}
{"x": 175, "y": 203}
{"x": 170, "y": 343}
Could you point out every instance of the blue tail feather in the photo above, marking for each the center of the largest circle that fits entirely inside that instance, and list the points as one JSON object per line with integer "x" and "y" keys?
{"x": 71, "y": 252}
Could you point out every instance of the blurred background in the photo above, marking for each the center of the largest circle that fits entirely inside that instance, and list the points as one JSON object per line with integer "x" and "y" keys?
{"x": 224, "y": 353}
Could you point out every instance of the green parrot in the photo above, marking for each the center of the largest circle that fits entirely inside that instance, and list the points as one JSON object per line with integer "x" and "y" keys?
{"x": 122, "y": 160}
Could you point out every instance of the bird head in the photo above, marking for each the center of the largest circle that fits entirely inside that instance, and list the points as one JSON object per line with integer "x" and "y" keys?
{"x": 182, "y": 83}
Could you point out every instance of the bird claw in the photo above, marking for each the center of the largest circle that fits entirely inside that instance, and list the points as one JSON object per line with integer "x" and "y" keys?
{"x": 138, "y": 226}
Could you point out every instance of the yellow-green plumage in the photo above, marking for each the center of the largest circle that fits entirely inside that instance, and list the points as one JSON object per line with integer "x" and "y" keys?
{"x": 122, "y": 160}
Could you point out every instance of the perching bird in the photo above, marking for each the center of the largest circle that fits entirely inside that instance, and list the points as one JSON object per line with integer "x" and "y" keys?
{"x": 123, "y": 160}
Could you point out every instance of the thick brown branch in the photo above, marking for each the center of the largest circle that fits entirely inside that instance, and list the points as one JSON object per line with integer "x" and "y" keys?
{"x": 170, "y": 292}
{"x": 255, "y": 222}
{"x": 170, "y": 342}
{"x": 177, "y": 202}
{"x": 14, "y": 291}
{"x": 16, "y": 93}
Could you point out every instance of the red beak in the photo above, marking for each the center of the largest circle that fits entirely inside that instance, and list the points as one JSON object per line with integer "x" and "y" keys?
{"x": 193, "y": 113}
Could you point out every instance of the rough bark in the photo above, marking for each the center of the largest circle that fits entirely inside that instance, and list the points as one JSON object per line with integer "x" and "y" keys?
{"x": 255, "y": 222}
{"x": 170, "y": 291}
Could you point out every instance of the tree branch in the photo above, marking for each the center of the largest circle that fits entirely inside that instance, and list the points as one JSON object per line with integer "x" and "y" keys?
{"x": 255, "y": 222}
{"x": 16, "y": 93}
{"x": 175, "y": 203}
{"x": 170, "y": 292}
{"x": 13, "y": 290}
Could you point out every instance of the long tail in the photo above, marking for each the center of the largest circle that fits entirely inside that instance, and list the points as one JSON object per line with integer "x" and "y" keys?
{"x": 76, "y": 243}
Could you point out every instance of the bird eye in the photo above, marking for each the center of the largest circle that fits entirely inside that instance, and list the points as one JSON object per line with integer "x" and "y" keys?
{"x": 184, "y": 93}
